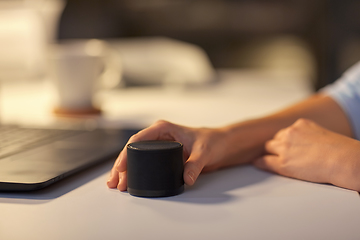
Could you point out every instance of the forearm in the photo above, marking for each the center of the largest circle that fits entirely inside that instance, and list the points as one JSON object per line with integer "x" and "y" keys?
{"x": 245, "y": 140}
{"x": 321, "y": 109}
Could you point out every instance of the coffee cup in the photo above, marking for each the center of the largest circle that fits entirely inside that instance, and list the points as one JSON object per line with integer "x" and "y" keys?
{"x": 77, "y": 68}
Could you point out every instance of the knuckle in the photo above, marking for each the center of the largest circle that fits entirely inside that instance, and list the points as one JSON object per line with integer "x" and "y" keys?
{"x": 162, "y": 123}
{"x": 163, "y": 126}
{"x": 268, "y": 145}
{"x": 289, "y": 132}
{"x": 134, "y": 138}
{"x": 286, "y": 147}
{"x": 302, "y": 122}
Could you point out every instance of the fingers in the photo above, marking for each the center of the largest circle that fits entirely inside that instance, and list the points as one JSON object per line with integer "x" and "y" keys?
{"x": 121, "y": 162}
{"x": 279, "y": 143}
{"x": 160, "y": 130}
{"x": 271, "y": 146}
{"x": 114, "y": 178}
{"x": 122, "y": 185}
{"x": 269, "y": 163}
{"x": 280, "y": 134}
{"x": 192, "y": 170}
{"x": 195, "y": 164}
{"x": 117, "y": 179}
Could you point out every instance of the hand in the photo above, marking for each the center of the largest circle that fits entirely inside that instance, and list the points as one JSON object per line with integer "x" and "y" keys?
{"x": 309, "y": 152}
{"x": 202, "y": 150}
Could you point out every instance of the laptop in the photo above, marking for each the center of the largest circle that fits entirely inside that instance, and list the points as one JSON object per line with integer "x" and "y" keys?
{"x": 32, "y": 158}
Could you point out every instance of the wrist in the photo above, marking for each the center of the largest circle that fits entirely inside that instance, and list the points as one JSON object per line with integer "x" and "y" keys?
{"x": 345, "y": 170}
{"x": 245, "y": 141}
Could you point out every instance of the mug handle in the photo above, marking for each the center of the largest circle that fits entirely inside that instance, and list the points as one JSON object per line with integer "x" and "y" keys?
{"x": 111, "y": 75}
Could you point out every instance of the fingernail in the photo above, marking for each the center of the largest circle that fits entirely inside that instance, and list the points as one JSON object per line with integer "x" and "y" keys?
{"x": 108, "y": 183}
{"x": 191, "y": 175}
{"x": 111, "y": 175}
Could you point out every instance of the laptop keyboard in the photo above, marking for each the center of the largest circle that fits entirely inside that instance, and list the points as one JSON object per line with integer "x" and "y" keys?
{"x": 15, "y": 139}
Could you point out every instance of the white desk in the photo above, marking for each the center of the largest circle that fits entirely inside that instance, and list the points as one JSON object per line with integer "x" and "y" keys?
{"x": 237, "y": 203}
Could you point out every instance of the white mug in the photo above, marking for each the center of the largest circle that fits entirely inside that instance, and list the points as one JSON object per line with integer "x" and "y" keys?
{"x": 77, "y": 67}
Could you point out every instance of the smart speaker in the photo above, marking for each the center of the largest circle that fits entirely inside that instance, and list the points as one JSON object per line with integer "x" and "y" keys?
{"x": 155, "y": 168}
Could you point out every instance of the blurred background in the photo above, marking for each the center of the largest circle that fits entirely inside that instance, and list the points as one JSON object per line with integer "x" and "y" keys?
{"x": 318, "y": 39}
{"x": 313, "y": 39}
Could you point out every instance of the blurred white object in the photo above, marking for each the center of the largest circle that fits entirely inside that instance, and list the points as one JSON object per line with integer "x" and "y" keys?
{"x": 163, "y": 61}
{"x": 78, "y": 68}
{"x": 26, "y": 27}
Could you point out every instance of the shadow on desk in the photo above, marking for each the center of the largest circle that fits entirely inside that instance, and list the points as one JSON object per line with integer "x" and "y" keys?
{"x": 216, "y": 187}
{"x": 57, "y": 189}
{"x": 210, "y": 188}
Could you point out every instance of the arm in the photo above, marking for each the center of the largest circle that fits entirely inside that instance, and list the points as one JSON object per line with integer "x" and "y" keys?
{"x": 211, "y": 149}
{"x": 248, "y": 138}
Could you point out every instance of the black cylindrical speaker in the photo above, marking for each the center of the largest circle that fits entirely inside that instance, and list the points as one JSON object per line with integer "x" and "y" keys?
{"x": 155, "y": 168}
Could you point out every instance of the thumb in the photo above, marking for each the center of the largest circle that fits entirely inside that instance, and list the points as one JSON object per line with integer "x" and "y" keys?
{"x": 192, "y": 169}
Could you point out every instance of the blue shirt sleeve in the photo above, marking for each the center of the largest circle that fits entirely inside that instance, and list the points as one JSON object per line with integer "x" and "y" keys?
{"x": 346, "y": 92}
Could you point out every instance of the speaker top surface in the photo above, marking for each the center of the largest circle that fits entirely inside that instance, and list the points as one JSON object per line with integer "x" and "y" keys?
{"x": 154, "y": 145}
